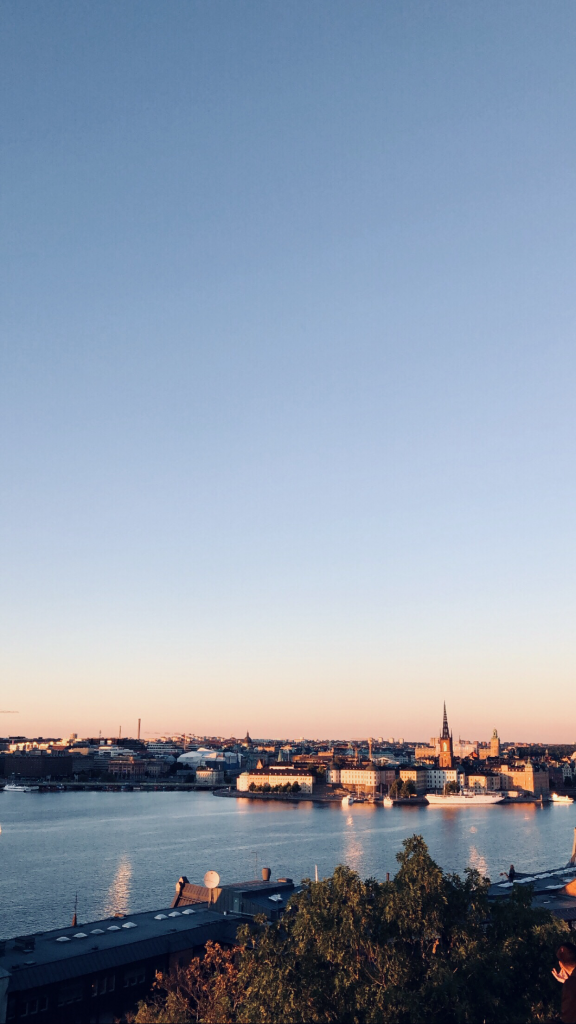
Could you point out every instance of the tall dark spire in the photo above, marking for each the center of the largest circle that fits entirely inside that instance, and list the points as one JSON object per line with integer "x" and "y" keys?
{"x": 445, "y": 729}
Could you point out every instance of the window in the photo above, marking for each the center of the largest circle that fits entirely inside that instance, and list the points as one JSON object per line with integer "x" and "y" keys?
{"x": 43, "y": 1003}
{"x": 70, "y": 994}
{"x": 137, "y": 977}
{"x": 103, "y": 985}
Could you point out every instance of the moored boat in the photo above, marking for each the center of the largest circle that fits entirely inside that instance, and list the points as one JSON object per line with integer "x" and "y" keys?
{"x": 347, "y": 800}
{"x": 561, "y": 798}
{"x": 17, "y": 787}
{"x": 463, "y": 799}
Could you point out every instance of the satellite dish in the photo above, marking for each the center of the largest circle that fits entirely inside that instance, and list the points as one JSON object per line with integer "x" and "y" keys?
{"x": 211, "y": 879}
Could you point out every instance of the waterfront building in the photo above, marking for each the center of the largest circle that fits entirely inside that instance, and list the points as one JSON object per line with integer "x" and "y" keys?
{"x": 210, "y": 776}
{"x": 416, "y": 775}
{"x": 365, "y": 780}
{"x": 436, "y": 778}
{"x": 275, "y": 776}
{"x": 527, "y": 778}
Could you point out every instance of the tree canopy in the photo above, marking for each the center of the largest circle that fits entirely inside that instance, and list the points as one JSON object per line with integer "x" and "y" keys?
{"x": 426, "y": 946}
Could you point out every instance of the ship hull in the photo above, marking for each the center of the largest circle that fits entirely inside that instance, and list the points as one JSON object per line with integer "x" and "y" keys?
{"x": 461, "y": 800}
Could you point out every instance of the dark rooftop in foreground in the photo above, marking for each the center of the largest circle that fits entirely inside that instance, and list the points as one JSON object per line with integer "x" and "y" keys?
{"x": 65, "y": 953}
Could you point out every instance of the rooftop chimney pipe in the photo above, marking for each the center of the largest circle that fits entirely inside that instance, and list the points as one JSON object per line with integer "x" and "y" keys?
{"x": 266, "y": 872}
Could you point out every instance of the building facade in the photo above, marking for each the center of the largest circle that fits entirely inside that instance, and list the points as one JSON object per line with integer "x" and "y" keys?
{"x": 264, "y": 777}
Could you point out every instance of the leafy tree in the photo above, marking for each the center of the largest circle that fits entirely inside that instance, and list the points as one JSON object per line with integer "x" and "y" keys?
{"x": 426, "y": 946}
{"x": 252, "y": 787}
{"x": 295, "y": 787}
{"x": 395, "y": 789}
{"x": 408, "y": 788}
{"x": 266, "y": 787}
{"x": 451, "y": 787}
{"x": 207, "y": 990}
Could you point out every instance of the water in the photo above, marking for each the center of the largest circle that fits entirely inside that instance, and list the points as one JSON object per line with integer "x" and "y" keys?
{"x": 125, "y": 851}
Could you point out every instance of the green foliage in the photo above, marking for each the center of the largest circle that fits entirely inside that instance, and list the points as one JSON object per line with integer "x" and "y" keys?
{"x": 395, "y": 789}
{"x": 426, "y": 946}
{"x": 451, "y": 787}
{"x": 408, "y": 789}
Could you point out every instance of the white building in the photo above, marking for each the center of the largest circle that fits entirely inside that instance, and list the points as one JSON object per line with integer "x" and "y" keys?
{"x": 436, "y": 778}
{"x": 277, "y": 777}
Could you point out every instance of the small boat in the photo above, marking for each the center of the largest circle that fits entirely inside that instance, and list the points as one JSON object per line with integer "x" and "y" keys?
{"x": 16, "y": 787}
{"x": 388, "y": 801}
{"x": 347, "y": 800}
{"x": 563, "y": 798}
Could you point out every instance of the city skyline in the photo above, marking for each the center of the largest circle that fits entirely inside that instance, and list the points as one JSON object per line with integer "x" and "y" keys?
{"x": 287, "y": 370}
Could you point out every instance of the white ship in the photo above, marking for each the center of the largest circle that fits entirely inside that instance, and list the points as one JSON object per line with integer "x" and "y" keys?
{"x": 463, "y": 799}
{"x": 347, "y": 800}
{"x": 561, "y": 799}
{"x": 15, "y": 787}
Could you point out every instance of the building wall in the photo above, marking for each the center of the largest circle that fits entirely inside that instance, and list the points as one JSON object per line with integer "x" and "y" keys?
{"x": 484, "y": 783}
{"x": 274, "y": 778}
{"x": 415, "y": 775}
{"x": 525, "y": 780}
{"x": 436, "y": 778}
{"x": 362, "y": 780}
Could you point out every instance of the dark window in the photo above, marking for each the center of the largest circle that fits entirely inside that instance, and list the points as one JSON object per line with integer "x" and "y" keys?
{"x": 132, "y": 978}
{"x": 70, "y": 994}
{"x": 43, "y": 1003}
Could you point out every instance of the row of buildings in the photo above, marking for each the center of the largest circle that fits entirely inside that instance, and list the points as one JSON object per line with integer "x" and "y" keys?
{"x": 429, "y": 770}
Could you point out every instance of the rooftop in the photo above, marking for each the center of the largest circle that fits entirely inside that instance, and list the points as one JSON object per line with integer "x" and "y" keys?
{"x": 67, "y": 953}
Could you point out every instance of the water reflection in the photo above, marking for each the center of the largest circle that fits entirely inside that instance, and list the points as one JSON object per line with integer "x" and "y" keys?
{"x": 478, "y": 860}
{"x": 118, "y": 898}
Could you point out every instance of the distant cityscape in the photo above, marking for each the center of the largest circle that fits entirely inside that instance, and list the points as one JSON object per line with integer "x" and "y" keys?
{"x": 373, "y": 768}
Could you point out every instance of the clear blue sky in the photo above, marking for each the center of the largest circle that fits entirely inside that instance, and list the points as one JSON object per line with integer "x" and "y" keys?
{"x": 288, "y": 366}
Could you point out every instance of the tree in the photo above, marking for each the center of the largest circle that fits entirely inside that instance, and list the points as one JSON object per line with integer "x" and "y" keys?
{"x": 451, "y": 787}
{"x": 207, "y": 990}
{"x": 295, "y": 787}
{"x": 408, "y": 788}
{"x": 395, "y": 789}
{"x": 425, "y": 946}
{"x": 252, "y": 787}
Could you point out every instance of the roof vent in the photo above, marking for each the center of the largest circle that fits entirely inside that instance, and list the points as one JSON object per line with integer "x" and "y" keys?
{"x": 129, "y": 924}
{"x": 97, "y": 931}
{"x": 113, "y": 928}
{"x": 174, "y": 913}
{"x": 80, "y": 935}
{"x": 62, "y": 938}
{"x": 187, "y": 911}
{"x": 160, "y": 917}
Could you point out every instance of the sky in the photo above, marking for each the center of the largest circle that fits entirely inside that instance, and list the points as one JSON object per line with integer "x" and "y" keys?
{"x": 287, "y": 367}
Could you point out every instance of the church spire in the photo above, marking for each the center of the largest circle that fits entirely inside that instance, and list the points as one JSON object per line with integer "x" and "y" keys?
{"x": 445, "y": 729}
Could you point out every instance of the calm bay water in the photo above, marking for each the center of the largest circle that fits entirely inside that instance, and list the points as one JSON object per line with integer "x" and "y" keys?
{"x": 125, "y": 851}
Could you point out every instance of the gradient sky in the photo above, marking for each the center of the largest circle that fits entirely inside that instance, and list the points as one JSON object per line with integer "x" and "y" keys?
{"x": 288, "y": 366}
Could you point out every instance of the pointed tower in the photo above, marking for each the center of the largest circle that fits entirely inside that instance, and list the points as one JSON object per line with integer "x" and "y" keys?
{"x": 446, "y": 751}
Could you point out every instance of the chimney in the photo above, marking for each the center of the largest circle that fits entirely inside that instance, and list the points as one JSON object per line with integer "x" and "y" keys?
{"x": 266, "y": 872}
{"x": 139, "y": 720}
